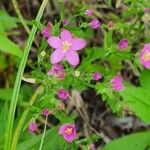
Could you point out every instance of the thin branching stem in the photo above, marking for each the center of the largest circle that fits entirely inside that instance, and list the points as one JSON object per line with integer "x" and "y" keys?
{"x": 42, "y": 141}
{"x": 16, "y": 7}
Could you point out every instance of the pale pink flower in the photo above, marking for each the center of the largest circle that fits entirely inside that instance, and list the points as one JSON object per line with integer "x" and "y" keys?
{"x": 96, "y": 76}
{"x": 92, "y": 147}
{"x": 110, "y": 25}
{"x": 117, "y": 83}
{"x": 66, "y": 47}
{"x": 145, "y": 56}
{"x": 61, "y": 106}
{"x": 123, "y": 44}
{"x": 45, "y": 112}
{"x": 66, "y": 1}
{"x": 65, "y": 22}
{"x": 32, "y": 127}
{"x": 95, "y": 23}
{"x": 68, "y": 131}
{"x": 46, "y": 32}
{"x": 146, "y": 10}
{"x": 63, "y": 94}
{"x": 89, "y": 12}
{"x": 57, "y": 70}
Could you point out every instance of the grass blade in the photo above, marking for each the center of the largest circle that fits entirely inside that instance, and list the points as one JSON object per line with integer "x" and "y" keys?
{"x": 16, "y": 89}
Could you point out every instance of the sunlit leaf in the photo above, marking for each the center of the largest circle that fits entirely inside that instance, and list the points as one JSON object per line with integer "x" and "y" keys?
{"x": 8, "y": 46}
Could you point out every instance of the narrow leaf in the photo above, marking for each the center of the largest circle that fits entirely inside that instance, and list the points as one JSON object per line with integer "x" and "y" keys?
{"x": 8, "y": 46}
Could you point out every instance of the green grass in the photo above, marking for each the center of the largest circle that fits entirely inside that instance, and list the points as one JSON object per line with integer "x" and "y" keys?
{"x": 12, "y": 109}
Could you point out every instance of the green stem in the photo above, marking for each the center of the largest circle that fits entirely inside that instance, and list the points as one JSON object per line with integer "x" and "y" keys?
{"x": 23, "y": 118}
{"x": 42, "y": 141}
{"x": 17, "y": 85}
{"x": 15, "y": 4}
{"x": 16, "y": 7}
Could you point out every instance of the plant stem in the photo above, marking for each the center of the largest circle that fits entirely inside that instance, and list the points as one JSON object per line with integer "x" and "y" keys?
{"x": 12, "y": 109}
{"x": 16, "y": 7}
{"x": 42, "y": 141}
{"x": 15, "y": 4}
{"x": 23, "y": 118}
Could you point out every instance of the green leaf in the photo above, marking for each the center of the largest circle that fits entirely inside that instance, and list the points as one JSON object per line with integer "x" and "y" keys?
{"x": 137, "y": 141}
{"x": 138, "y": 100}
{"x": 85, "y": 34}
{"x": 8, "y": 46}
{"x": 3, "y": 118}
{"x": 63, "y": 118}
{"x": 124, "y": 55}
{"x": 115, "y": 62}
{"x": 51, "y": 141}
{"x": 38, "y": 25}
{"x": 26, "y": 92}
{"x": 145, "y": 79}
{"x": 79, "y": 84}
{"x": 108, "y": 39}
{"x": 93, "y": 54}
{"x": 3, "y": 63}
{"x": 6, "y": 21}
{"x": 5, "y": 94}
{"x": 56, "y": 29}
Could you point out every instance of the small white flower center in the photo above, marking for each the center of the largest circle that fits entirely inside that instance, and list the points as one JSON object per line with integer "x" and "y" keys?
{"x": 146, "y": 56}
{"x": 66, "y": 45}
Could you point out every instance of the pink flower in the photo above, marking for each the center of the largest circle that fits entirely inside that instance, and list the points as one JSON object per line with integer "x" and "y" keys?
{"x": 61, "y": 106}
{"x": 123, "y": 44}
{"x": 92, "y": 147}
{"x": 65, "y": 22}
{"x": 46, "y": 32}
{"x": 116, "y": 83}
{"x": 89, "y": 12}
{"x": 145, "y": 56}
{"x": 96, "y": 76}
{"x": 45, "y": 112}
{"x": 146, "y": 10}
{"x": 63, "y": 94}
{"x": 110, "y": 24}
{"x": 95, "y": 24}
{"x": 32, "y": 127}
{"x": 57, "y": 70}
{"x": 68, "y": 131}
{"x": 65, "y": 1}
{"x": 65, "y": 48}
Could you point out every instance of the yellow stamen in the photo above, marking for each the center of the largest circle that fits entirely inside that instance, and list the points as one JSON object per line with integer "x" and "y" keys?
{"x": 66, "y": 45}
{"x": 146, "y": 56}
{"x": 68, "y": 131}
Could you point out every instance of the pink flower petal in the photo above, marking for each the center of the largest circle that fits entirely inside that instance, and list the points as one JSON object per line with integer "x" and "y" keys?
{"x": 72, "y": 57}
{"x": 117, "y": 83}
{"x": 62, "y": 129}
{"x": 65, "y": 35}
{"x": 89, "y": 12}
{"x": 78, "y": 44}
{"x": 55, "y": 42}
{"x": 57, "y": 56}
{"x": 95, "y": 23}
{"x": 123, "y": 44}
{"x": 68, "y": 136}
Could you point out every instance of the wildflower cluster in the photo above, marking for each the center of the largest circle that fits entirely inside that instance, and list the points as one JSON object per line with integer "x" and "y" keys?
{"x": 76, "y": 63}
